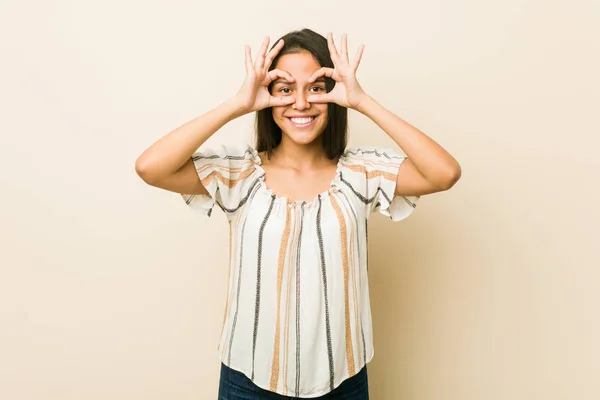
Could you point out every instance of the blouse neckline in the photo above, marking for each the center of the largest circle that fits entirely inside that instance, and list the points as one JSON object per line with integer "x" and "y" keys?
{"x": 292, "y": 203}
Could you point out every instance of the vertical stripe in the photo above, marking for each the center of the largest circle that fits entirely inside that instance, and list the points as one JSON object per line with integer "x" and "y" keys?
{"x": 324, "y": 274}
{"x": 367, "y": 242}
{"x": 228, "y": 283}
{"x": 298, "y": 252}
{"x": 280, "y": 264}
{"x": 291, "y": 261}
{"x": 258, "y": 277}
{"x": 366, "y": 262}
{"x": 233, "y": 229}
{"x": 286, "y": 332}
{"x": 239, "y": 278}
{"x": 344, "y": 246}
{"x": 355, "y": 239}
{"x": 352, "y": 266}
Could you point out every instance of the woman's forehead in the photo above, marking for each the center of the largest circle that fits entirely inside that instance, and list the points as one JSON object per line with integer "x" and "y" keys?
{"x": 298, "y": 64}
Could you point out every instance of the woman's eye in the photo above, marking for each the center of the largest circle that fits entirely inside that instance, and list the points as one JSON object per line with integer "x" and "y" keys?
{"x": 316, "y": 89}
{"x": 285, "y": 90}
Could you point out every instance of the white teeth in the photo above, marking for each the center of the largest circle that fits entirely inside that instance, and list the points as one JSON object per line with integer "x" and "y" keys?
{"x": 302, "y": 121}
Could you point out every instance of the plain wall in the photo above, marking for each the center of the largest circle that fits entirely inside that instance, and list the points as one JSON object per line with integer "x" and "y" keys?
{"x": 112, "y": 289}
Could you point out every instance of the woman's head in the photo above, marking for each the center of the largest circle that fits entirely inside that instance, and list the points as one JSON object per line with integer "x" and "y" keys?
{"x": 303, "y": 53}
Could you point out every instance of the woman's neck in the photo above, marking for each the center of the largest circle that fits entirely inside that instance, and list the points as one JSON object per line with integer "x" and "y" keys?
{"x": 300, "y": 156}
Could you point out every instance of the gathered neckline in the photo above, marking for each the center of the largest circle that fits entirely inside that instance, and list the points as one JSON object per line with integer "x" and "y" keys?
{"x": 283, "y": 199}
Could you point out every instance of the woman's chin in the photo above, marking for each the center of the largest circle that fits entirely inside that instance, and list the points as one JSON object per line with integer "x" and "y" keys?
{"x": 303, "y": 138}
{"x": 303, "y": 135}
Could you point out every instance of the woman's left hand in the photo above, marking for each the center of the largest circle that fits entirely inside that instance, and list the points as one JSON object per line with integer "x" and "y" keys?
{"x": 347, "y": 91}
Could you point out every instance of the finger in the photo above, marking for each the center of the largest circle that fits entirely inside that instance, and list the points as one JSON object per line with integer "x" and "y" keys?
{"x": 358, "y": 56}
{"x": 279, "y": 73}
{"x": 281, "y": 101}
{"x": 332, "y": 49}
{"x": 260, "y": 58}
{"x": 323, "y": 71}
{"x": 344, "y": 47}
{"x": 248, "y": 58}
{"x": 273, "y": 53}
{"x": 320, "y": 98}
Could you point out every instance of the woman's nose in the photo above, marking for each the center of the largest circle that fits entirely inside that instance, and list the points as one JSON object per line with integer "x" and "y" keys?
{"x": 301, "y": 103}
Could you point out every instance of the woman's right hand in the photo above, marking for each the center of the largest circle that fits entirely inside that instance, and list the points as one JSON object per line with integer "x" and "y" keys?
{"x": 254, "y": 94}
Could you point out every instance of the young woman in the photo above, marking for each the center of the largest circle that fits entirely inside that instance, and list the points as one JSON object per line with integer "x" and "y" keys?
{"x": 297, "y": 318}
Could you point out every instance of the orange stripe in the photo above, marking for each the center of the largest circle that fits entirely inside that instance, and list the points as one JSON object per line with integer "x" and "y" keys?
{"x": 286, "y": 336}
{"x": 292, "y": 269}
{"x": 371, "y": 174}
{"x": 226, "y": 181}
{"x": 291, "y": 264}
{"x": 231, "y": 288}
{"x": 228, "y": 277}
{"x": 361, "y": 161}
{"x": 356, "y": 310}
{"x": 280, "y": 265}
{"x": 221, "y": 167}
{"x": 344, "y": 243}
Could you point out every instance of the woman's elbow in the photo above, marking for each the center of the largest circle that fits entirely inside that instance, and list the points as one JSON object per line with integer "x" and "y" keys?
{"x": 145, "y": 170}
{"x": 452, "y": 176}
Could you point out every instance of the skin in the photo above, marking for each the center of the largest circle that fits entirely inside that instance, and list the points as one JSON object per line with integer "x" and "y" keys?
{"x": 428, "y": 169}
{"x": 301, "y": 66}
{"x": 298, "y": 168}
{"x": 167, "y": 163}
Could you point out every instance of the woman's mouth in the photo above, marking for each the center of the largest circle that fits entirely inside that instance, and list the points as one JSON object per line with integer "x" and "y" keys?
{"x": 302, "y": 122}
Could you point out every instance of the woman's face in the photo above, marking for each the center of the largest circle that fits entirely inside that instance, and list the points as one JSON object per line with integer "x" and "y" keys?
{"x": 301, "y": 121}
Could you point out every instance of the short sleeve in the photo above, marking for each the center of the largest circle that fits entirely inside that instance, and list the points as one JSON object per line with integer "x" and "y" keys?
{"x": 228, "y": 173}
{"x": 372, "y": 174}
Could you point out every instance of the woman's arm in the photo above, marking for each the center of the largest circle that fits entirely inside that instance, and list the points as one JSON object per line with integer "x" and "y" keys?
{"x": 429, "y": 167}
{"x": 167, "y": 164}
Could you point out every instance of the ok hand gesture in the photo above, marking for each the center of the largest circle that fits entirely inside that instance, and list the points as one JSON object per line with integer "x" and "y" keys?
{"x": 347, "y": 91}
{"x": 254, "y": 94}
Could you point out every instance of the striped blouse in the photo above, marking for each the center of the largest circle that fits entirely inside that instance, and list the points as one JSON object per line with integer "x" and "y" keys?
{"x": 297, "y": 315}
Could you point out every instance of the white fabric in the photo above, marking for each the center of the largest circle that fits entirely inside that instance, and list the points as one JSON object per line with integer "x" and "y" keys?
{"x": 297, "y": 316}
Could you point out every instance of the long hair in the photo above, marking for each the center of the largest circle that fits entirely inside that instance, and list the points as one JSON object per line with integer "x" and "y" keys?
{"x": 334, "y": 136}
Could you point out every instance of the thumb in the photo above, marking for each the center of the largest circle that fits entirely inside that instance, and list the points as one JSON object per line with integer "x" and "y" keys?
{"x": 319, "y": 98}
{"x": 281, "y": 101}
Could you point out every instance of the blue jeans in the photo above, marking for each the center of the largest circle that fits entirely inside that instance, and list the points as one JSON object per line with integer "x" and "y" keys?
{"x": 234, "y": 385}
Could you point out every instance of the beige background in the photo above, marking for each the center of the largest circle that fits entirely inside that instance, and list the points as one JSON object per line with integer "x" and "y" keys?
{"x": 111, "y": 289}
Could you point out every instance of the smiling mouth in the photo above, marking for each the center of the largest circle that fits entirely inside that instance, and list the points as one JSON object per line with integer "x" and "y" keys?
{"x": 301, "y": 122}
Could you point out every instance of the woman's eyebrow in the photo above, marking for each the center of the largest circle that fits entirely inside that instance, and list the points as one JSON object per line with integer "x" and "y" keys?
{"x": 281, "y": 80}
{"x": 286, "y": 82}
